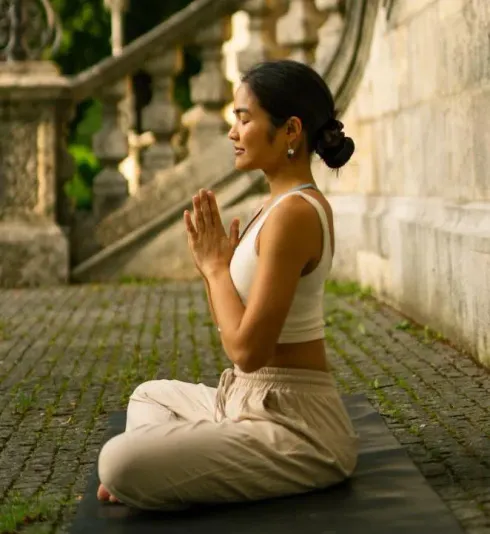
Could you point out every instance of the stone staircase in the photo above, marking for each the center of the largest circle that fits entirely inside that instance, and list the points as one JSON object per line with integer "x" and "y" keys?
{"x": 145, "y": 236}
{"x": 138, "y": 231}
{"x": 135, "y": 238}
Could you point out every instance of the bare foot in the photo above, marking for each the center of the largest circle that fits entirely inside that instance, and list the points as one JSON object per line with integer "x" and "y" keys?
{"x": 104, "y": 495}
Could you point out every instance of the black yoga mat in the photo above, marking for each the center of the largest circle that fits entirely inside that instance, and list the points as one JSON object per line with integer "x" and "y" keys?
{"x": 387, "y": 494}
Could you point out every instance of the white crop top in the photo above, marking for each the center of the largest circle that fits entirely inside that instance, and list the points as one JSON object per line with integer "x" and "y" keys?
{"x": 304, "y": 321}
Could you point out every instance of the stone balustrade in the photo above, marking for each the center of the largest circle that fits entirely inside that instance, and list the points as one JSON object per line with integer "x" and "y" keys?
{"x": 36, "y": 103}
{"x": 294, "y": 22}
{"x": 276, "y": 28}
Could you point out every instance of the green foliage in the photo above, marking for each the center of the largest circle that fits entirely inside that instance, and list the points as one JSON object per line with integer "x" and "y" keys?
{"x": 79, "y": 189}
{"x": 90, "y": 123}
{"x": 86, "y": 34}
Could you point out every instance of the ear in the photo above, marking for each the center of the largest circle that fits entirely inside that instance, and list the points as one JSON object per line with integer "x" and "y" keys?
{"x": 294, "y": 128}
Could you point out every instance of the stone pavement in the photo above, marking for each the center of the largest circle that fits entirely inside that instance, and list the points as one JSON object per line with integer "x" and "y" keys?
{"x": 70, "y": 355}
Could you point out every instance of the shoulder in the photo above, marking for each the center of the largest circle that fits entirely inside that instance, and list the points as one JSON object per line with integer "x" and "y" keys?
{"x": 291, "y": 225}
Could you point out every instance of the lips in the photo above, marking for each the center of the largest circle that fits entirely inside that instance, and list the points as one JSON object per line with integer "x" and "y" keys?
{"x": 239, "y": 151}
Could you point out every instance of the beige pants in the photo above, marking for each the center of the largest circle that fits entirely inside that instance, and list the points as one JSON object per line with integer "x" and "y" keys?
{"x": 259, "y": 435}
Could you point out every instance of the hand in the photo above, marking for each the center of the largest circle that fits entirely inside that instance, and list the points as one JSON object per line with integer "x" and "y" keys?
{"x": 211, "y": 248}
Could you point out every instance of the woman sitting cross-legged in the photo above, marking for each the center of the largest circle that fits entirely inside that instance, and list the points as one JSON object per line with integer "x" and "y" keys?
{"x": 276, "y": 424}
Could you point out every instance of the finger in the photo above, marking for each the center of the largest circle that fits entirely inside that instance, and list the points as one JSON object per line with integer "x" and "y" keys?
{"x": 198, "y": 213}
{"x": 213, "y": 206}
{"x": 206, "y": 208}
{"x": 188, "y": 224}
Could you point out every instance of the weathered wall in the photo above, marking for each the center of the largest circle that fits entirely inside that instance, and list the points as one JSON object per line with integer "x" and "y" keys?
{"x": 413, "y": 208}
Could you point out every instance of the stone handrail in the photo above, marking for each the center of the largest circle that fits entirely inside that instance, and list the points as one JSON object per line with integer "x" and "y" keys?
{"x": 171, "y": 32}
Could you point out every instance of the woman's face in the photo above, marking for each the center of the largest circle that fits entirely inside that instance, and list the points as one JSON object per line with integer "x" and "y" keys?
{"x": 252, "y": 135}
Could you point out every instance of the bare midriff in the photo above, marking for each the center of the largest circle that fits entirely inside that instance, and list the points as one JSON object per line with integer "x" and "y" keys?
{"x": 304, "y": 355}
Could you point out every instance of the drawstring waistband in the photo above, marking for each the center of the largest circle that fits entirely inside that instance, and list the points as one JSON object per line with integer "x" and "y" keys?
{"x": 226, "y": 380}
{"x": 304, "y": 380}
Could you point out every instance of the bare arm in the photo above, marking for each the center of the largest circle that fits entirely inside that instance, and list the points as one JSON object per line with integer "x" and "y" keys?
{"x": 210, "y": 302}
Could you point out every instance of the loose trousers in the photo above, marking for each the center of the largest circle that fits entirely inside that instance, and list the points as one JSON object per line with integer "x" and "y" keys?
{"x": 265, "y": 434}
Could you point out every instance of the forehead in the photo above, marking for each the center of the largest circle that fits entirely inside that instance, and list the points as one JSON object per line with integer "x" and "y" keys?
{"x": 244, "y": 98}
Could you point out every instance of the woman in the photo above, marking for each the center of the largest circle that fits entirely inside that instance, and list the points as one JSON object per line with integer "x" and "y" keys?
{"x": 276, "y": 424}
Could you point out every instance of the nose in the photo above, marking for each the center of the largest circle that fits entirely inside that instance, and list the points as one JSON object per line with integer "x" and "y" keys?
{"x": 232, "y": 133}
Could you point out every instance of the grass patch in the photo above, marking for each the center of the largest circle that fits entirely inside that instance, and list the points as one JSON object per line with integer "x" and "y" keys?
{"x": 424, "y": 334}
{"x": 347, "y": 289}
{"x": 17, "y": 513}
{"x": 25, "y": 400}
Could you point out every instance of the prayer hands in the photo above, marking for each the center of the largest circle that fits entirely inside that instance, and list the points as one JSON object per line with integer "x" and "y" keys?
{"x": 211, "y": 248}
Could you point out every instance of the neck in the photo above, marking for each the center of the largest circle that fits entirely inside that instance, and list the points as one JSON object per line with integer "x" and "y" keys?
{"x": 293, "y": 175}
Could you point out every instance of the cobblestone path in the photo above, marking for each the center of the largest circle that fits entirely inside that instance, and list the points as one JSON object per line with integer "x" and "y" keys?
{"x": 70, "y": 355}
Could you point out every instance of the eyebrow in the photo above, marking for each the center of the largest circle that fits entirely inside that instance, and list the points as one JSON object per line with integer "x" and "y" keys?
{"x": 240, "y": 110}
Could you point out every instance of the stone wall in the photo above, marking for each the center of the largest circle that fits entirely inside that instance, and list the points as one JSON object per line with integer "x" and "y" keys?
{"x": 413, "y": 207}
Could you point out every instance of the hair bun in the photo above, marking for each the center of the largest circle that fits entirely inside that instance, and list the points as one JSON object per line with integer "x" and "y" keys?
{"x": 333, "y": 146}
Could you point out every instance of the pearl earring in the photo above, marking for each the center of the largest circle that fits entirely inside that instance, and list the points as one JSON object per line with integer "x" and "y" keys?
{"x": 290, "y": 152}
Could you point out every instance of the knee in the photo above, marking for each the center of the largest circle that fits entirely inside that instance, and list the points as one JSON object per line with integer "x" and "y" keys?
{"x": 148, "y": 389}
{"x": 141, "y": 391}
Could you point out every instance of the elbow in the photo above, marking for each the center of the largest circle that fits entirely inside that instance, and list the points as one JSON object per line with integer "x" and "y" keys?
{"x": 248, "y": 365}
{"x": 250, "y": 359}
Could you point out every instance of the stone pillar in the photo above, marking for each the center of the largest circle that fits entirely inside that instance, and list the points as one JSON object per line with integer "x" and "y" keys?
{"x": 261, "y": 27}
{"x": 110, "y": 143}
{"x": 162, "y": 116}
{"x": 210, "y": 89}
{"x": 33, "y": 249}
{"x": 297, "y": 30}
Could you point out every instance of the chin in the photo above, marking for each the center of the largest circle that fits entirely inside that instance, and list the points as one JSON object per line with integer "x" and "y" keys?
{"x": 243, "y": 164}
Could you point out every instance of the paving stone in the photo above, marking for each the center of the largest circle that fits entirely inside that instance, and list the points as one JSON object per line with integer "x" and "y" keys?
{"x": 76, "y": 353}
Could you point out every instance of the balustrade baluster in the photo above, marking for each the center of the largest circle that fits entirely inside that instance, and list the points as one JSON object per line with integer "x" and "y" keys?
{"x": 162, "y": 115}
{"x": 297, "y": 30}
{"x": 110, "y": 188}
{"x": 262, "y": 45}
{"x": 210, "y": 89}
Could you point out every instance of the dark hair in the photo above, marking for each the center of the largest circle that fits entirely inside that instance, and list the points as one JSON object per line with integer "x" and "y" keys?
{"x": 286, "y": 88}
